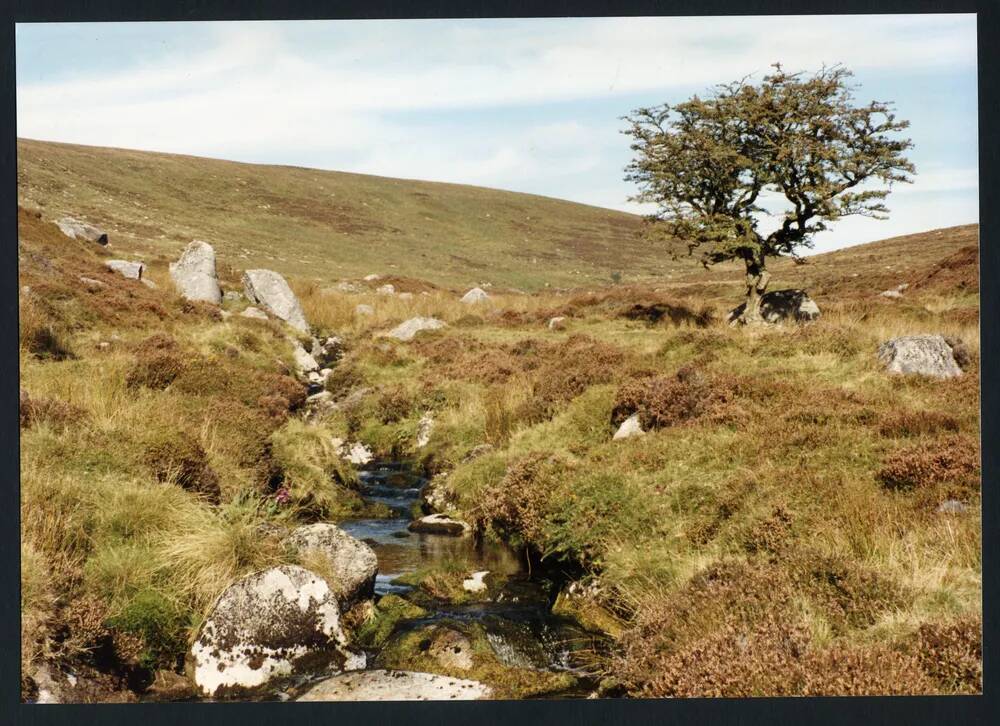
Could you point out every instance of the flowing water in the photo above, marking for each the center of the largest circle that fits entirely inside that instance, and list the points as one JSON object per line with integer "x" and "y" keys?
{"x": 518, "y": 621}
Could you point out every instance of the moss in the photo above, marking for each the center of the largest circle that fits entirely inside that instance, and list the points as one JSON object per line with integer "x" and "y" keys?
{"x": 389, "y": 611}
{"x": 159, "y": 623}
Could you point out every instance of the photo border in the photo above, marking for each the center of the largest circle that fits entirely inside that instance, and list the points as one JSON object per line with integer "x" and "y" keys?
{"x": 872, "y": 711}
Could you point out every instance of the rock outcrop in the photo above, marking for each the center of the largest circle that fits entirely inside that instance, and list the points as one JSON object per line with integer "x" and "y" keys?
{"x": 126, "y": 268}
{"x": 928, "y": 355}
{"x": 270, "y": 291}
{"x": 270, "y": 624}
{"x": 425, "y": 427}
{"x": 77, "y": 229}
{"x": 389, "y": 685}
{"x": 194, "y": 273}
{"x": 780, "y": 306}
{"x": 256, "y": 313}
{"x": 386, "y": 290}
{"x": 351, "y": 565}
{"x": 475, "y": 295}
{"x": 408, "y": 330}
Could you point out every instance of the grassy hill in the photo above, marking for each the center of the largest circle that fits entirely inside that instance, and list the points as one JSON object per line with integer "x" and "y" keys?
{"x": 331, "y": 225}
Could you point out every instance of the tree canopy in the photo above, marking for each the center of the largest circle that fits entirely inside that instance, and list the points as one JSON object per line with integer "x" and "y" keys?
{"x": 709, "y": 163}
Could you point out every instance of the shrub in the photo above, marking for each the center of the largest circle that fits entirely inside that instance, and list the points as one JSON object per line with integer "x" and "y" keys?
{"x": 392, "y": 404}
{"x": 917, "y": 423}
{"x": 38, "y": 335}
{"x": 952, "y": 653}
{"x": 771, "y": 534}
{"x": 159, "y": 623}
{"x": 960, "y": 351}
{"x": 519, "y": 503}
{"x": 669, "y": 400}
{"x": 954, "y": 461}
{"x": 499, "y": 421}
{"x": 158, "y": 363}
{"x": 176, "y": 456}
{"x": 52, "y": 411}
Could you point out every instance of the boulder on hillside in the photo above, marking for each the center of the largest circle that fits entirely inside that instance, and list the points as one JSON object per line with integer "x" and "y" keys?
{"x": 386, "y": 290}
{"x": 125, "y": 268}
{"x": 406, "y": 331}
{"x": 928, "y": 355}
{"x": 475, "y": 295}
{"x": 557, "y": 323}
{"x": 351, "y": 564}
{"x": 389, "y": 685}
{"x": 425, "y": 427}
{"x": 270, "y": 624}
{"x": 372, "y": 277}
{"x": 270, "y": 291}
{"x": 779, "y": 306}
{"x": 77, "y": 229}
{"x": 194, "y": 273}
{"x": 630, "y": 427}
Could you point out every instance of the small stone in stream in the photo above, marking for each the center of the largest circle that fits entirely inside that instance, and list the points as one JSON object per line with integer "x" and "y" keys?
{"x": 476, "y": 582}
{"x": 350, "y": 564}
{"x": 439, "y": 524}
{"x": 303, "y": 360}
{"x": 401, "y": 534}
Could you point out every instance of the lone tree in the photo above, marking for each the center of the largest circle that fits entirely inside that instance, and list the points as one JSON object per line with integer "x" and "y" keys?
{"x": 708, "y": 163}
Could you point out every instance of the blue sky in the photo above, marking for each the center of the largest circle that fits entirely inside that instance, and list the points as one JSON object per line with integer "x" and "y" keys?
{"x": 527, "y": 105}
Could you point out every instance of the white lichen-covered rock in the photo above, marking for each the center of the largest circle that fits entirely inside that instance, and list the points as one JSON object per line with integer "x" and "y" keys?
{"x": 425, "y": 427}
{"x": 475, "y": 295}
{"x": 364, "y": 309}
{"x": 406, "y": 331}
{"x": 77, "y": 229}
{"x": 440, "y": 524}
{"x": 386, "y": 290}
{"x": 372, "y": 277}
{"x": 351, "y": 565}
{"x": 928, "y": 355}
{"x": 255, "y": 313}
{"x": 270, "y": 624}
{"x": 356, "y": 453}
{"x": 126, "y": 268}
{"x": 194, "y": 273}
{"x": 558, "y": 323}
{"x": 270, "y": 291}
{"x": 891, "y": 294}
{"x": 476, "y": 582}
{"x": 781, "y": 306}
{"x": 388, "y": 685}
{"x": 630, "y": 427}
{"x": 304, "y": 361}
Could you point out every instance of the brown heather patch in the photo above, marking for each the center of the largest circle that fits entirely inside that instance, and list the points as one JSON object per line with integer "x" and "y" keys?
{"x": 952, "y": 653}
{"x": 392, "y": 404}
{"x": 900, "y": 424}
{"x": 519, "y": 502}
{"x": 176, "y": 456}
{"x": 953, "y": 461}
{"x": 735, "y": 630}
{"x": 666, "y": 401}
{"x": 770, "y": 535}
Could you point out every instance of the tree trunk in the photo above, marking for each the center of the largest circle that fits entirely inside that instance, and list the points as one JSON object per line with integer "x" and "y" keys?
{"x": 757, "y": 279}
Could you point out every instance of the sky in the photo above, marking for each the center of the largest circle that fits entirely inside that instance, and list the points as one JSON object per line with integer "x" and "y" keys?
{"x": 531, "y": 105}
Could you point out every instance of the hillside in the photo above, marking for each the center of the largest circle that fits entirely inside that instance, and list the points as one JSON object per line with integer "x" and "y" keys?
{"x": 329, "y": 225}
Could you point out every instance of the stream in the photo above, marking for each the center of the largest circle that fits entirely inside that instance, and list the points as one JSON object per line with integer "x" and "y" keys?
{"x": 517, "y": 620}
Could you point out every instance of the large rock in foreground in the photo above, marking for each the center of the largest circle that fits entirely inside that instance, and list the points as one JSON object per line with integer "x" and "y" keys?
{"x": 351, "y": 565}
{"x": 387, "y": 685}
{"x": 928, "y": 355}
{"x": 270, "y": 291}
{"x": 273, "y": 623}
{"x": 408, "y": 330}
{"x": 76, "y": 229}
{"x": 780, "y": 306}
{"x": 194, "y": 273}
